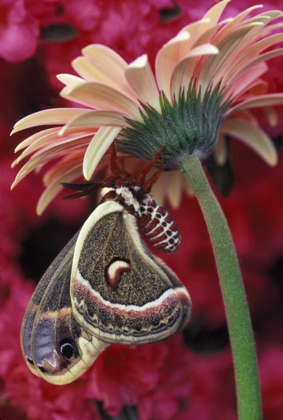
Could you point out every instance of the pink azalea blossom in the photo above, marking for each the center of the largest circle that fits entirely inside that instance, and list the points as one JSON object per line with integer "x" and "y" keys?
{"x": 19, "y": 31}
{"x": 271, "y": 365}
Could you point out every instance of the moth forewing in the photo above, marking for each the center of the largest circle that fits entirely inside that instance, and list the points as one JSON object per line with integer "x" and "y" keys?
{"x": 54, "y": 345}
{"x": 119, "y": 292}
{"x": 181, "y": 289}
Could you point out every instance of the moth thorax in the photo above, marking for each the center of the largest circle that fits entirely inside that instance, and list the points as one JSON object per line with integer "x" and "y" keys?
{"x": 107, "y": 191}
{"x": 158, "y": 225}
{"x": 126, "y": 196}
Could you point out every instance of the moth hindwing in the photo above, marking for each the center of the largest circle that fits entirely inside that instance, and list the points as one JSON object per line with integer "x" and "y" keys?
{"x": 119, "y": 291}
{"x": 54, "y": 345}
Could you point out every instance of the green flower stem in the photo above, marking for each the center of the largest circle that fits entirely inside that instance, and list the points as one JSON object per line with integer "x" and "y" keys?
{"x": 237, "y": 312}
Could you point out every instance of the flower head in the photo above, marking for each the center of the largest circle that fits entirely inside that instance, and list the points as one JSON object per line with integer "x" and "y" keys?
{"x": 207, "y": 81}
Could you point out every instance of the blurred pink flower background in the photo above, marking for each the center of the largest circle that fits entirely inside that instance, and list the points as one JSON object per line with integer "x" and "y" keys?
{"x": 191, "y": 375}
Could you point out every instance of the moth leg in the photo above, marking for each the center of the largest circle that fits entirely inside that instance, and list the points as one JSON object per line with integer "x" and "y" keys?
{"x": 148, "y": 184}
{"x": 118, "y": 172}
{"x": 144, "y": 171}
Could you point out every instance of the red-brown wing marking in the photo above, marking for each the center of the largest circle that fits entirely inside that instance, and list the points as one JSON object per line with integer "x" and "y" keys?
{"x": 114, "y": 272}
{"x": 146, "y": 305}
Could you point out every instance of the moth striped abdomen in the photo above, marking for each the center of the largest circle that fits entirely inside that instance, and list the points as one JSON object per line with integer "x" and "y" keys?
{"x": 158, "y": 225}
{"x": 133, "y": 194}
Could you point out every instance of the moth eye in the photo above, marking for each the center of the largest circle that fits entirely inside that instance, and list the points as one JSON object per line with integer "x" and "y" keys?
{"x": 67, "y": 349}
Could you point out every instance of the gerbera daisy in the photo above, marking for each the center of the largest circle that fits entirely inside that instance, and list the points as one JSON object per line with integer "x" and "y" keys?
{"x": 206, "y": 83}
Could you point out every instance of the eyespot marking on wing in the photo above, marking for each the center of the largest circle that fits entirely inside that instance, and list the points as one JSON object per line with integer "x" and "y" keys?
{"x": 114, "y": 271}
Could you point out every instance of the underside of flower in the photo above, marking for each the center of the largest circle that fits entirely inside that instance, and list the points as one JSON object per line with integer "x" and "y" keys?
{"x": 205, "y": 85}
{"x": 189, "y": 125}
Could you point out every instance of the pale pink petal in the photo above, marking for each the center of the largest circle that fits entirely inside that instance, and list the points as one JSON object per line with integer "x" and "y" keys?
{"x": 142, "y": 81}
{"x": 258, "y": 88}
{"x": 93, "y": 73}
{"x": 35, "y": 137}
{"x": 159, "y": 189}
{"x": 196, "y": 27}
{"x": 213, "y": 63}
{"x": 245, "y": 38}
{"x": 195, "y": 31}
{"x": 102, "y": 97}
{"x": 97, "y": 147}
{"x": 263, "y": 44}
{"x": 55, "y": 187}
{"x": 264, "y": 100}
{"x": 254, "y": 89}
{"x": 42, "y": 157}
{"x": 53, "y": 140}
{"x": 167, "y": 59}
{"x": 106, "y": 57}
{"x": 48, "y": 117}
{"x": 14, "y": 163}
{"x": 220, "y": 151}
{"x": 246, "y": 115}
{"x": 264, "y": 18}
{"x": 250, "y": 53}
{"x": 96, "y": 119}
{"x": 65, "y": 164}
{"x": 234, "y": 23}
{"x": 109, "y": 67}
{"x": 216, "y": 11}
{"x": 253, "y": 63}
{"x": 270, "y": 28}
{"x": 183, "y": 72}
{"x": 65, "y": 146}
{"x": 271, "y": 115}
{"x": 244, "y": 82}
{"x": 174, "y": 191}
{"x": 88, "y": 72}
{"x": 187, "y": 186}
{"x": 261, "y": 88}
{"x": 272, "y": 14}
{"x": 194, "y": 64}
{"x": 209, "y": 35}
{"x": 69, "y": 79}
{"x": 25, "y": 170}
{"x": 253, "y": 137}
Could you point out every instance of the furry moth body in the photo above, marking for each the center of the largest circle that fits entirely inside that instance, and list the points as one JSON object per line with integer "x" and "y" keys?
{"x": 104, "y": 287}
